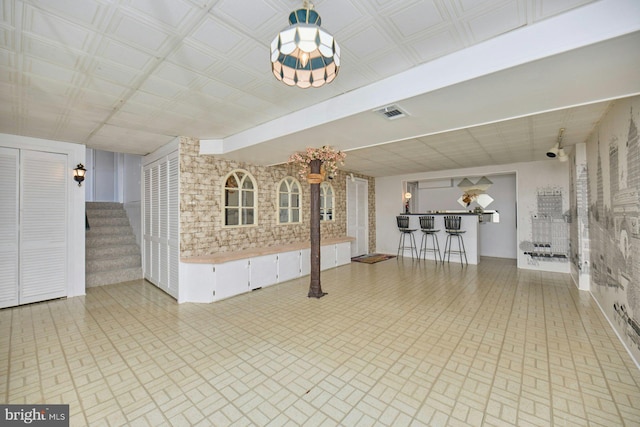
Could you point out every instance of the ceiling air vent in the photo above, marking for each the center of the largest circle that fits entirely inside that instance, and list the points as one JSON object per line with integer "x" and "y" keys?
{"x": 392, "y": 112}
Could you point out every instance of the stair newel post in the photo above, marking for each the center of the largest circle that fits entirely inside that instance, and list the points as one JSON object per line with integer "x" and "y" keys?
{"x": 315, "y": 289}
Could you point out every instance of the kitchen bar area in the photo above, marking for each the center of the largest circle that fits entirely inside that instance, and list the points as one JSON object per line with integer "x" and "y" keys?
{"x": 470, "y": 226}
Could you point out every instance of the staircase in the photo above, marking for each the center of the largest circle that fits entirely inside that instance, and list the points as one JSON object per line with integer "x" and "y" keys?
{"x": 112, "y": 254}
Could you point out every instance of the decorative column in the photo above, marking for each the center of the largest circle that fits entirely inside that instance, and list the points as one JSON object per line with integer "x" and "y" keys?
{"x": 315, "y": 178}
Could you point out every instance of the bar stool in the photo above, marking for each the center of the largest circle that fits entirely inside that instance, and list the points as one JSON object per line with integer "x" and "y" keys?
{"x": 403, "y": 226}
{"x": 427, "y": 226}
{"x": 452, "y": 227}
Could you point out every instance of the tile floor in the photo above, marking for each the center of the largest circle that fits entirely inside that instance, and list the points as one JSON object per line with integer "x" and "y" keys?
{"x": 394, "y": 343}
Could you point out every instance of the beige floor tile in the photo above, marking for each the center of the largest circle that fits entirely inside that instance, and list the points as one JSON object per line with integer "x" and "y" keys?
{"x": 394, "y": 343}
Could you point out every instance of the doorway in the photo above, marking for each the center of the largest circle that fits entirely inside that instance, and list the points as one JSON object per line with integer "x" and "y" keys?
{"x": 358, "y": 214}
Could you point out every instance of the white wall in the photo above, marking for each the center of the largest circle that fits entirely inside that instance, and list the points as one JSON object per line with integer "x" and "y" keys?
{"x": 500, "y": 239}
{"x": 132, "y": 192}
{"x": 75, "y": 238}
{"x": 529, "y": 177}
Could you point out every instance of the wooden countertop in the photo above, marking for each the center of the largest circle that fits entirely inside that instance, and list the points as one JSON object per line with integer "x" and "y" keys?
{"x": 223, "y": 257}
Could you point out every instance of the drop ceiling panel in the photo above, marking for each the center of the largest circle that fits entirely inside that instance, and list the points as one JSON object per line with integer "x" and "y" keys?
{"x": 434, "y": 45}
{"x": 367, "y": 42}
{"x": 192, "y": 58}
{"x": 96, "y": 84}
{"x": 53, "y": 53}
{"x": 137, "y": 33}
{"x": 546, "y": 8}
{"x": 124, "y": 54}
{"x": 171, "y": 13}
{"x": 495, "y": 21}
{"x": 84, "y": 12}
{"x": 233, "y": 76}
{"x": 416, "y": 18}
{"x": 56, "y": 29}
{"x": 339, "y": 18}
{"x": 49, "y": 71}
{"x": 162, "y": 88}
{"x": 216, "y": 35}
{"x": 115, "y": 73}
{"x": 175, "y": 74}
{"x": 148, "y": 99}
{"x": 250, "y": 15}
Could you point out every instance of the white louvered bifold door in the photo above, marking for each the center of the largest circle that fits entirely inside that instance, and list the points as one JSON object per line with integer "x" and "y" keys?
{"x": 155, "y": 225}
{"x": 9, "y": 158}
{"x": 147, "y": 252}
{"x": 161, "y": 218}
{"x": 174, "y": 224}
{"x": 43, "y": 233}
{"x": 163, "y": 226}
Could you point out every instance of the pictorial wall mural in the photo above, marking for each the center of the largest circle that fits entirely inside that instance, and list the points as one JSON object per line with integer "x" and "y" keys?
{"x": 543, "y": 216}
{"x": 579, "y": 244}
{"x": 613, "y": 158}
{"x": 549, "y": 228}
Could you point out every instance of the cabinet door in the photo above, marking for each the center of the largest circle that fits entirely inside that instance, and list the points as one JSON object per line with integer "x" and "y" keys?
{"x": 9, "y": 227}
{"x": 263, "y": 271}
{"x": 343, "y": 253}
{"x": 231, "y": 278}
{"x": 288, "y": 266}
{"x": 305, "y": 262}
{"x": 327, "y": 257}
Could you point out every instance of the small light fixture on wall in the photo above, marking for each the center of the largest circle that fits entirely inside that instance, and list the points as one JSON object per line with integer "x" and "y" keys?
{"x": 407, "y": 197}
{"x": 78, "y": 174}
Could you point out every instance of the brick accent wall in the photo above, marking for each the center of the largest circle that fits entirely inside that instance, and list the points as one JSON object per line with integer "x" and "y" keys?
{"x": 202, "y": 230}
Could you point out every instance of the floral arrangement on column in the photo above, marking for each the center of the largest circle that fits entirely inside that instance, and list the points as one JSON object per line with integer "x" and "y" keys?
{"x": 313, "y": 164}
{"x": 329, "y": 156}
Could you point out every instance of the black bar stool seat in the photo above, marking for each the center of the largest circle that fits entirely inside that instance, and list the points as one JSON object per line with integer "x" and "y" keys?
{"x": 452, "y": 227}
{"x": 403, "y": 227}
{"x": 427, "y": 226}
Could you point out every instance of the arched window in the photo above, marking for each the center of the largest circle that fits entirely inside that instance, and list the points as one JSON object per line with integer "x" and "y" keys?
{"x": 327, "y": 202}
{"x": 239, "y": 199}
{"x": 289, "y": 201}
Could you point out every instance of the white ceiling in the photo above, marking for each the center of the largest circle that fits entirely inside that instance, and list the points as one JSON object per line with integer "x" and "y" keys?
{"x": 483, "y": 82}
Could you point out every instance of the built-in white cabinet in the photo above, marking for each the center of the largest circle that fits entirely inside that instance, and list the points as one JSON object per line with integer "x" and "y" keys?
{"x": 327, "y": 257}
{"x": 208, "y": 282}
{"x": 230, "y": 278}
{"x": 289, "y": 265}
{"x": 263, "y": 271}
{"x": 305, "y": 261}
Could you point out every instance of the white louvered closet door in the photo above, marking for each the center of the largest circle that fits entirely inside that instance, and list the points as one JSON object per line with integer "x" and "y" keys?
{"x": 43, "y": 231}
{"x": 174, "y": 224}
{"x": 161, "y": 218}
{"x": 147, "y": 249}
{"x": 9, "y": 158}
{"x": 155, "y": 225}
{"x": 163, "y": 227}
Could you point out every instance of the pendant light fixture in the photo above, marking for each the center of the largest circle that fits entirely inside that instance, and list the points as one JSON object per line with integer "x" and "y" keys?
{"x": 303, "y": 54}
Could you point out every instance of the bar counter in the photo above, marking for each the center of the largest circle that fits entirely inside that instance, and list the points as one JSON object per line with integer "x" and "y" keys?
{"x": 469, "y": 223}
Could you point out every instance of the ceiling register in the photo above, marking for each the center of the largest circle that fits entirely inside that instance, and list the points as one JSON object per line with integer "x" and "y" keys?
{"x": 303, "y": 54}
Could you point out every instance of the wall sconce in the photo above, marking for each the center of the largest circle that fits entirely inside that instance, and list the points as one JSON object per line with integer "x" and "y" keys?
{"x": 78, "y": 174}
{"x": 407, "y": 197}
